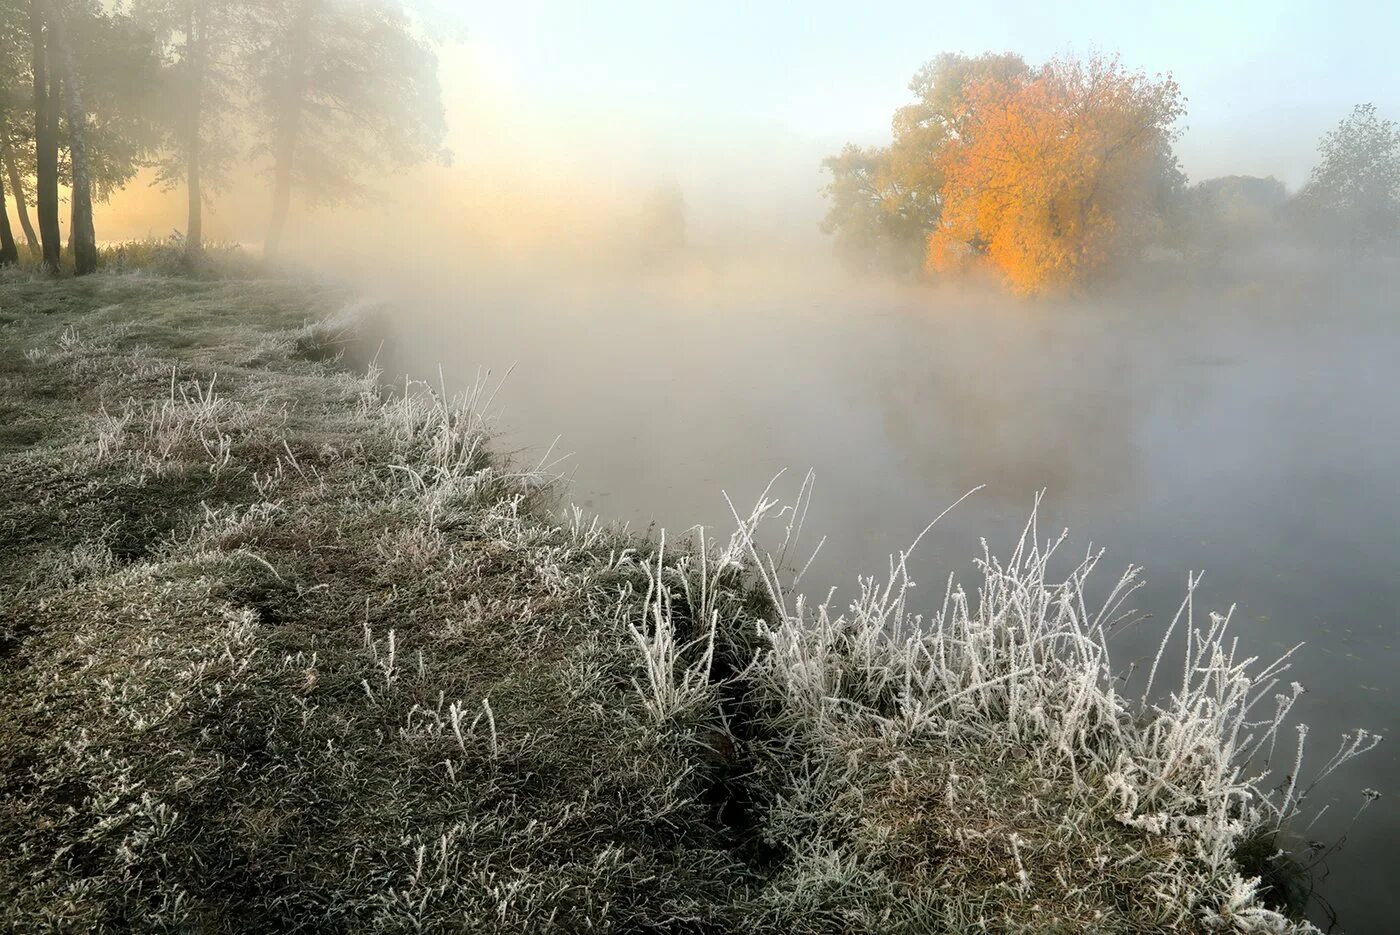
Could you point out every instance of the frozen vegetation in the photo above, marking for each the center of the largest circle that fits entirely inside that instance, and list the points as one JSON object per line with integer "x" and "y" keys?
{"x": 285, "y": 648}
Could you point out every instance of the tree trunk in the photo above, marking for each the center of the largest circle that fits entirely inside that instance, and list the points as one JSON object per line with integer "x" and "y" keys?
{"x": 289, "y": 106}
{"x": 16, "y": 185}
{"x": 46, "y": 145}
{"x": 194, "y": 61}
{"x": 17, "y": 189}
{"x": 84, "y": 239}
{"x": 9, "y": 256}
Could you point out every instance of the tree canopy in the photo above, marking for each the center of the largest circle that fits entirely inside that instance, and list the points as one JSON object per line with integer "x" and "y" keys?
{"x": 345, "y": 90}
{"x": 115, "y": 60}
{"x": 1353, "y": 194}
{"x": 324, "y": 93}
{"x": 1048, "y": 173}
{"x": 1054, "y": 174}
{"x": 885, "y": 201}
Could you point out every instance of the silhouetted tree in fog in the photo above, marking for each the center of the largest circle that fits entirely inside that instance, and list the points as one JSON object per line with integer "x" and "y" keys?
{"x": 118, "y": 63}
{"x": 346, "y": 90}
{"x": 45, "y": 138}
{"x": 83, "y": 238}
{"x": 9, "y": 253}
{"x": 1353, "y": 193}
{"x": 1230, "y": 212}
{"x": 7, "y": 156}
{"x": 202, "y": 41}
{"x": 10, "y": 61}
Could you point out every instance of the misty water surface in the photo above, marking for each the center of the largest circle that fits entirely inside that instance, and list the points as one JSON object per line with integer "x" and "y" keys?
{"x": 1246, "y": 426}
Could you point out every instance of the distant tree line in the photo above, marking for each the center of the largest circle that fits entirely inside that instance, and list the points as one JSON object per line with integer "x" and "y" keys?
{"x": 322, "y": 93}
{"x": 1052, "y": 174}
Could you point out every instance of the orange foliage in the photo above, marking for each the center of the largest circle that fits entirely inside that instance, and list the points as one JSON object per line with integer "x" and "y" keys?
{"x": 1053, "y": 175}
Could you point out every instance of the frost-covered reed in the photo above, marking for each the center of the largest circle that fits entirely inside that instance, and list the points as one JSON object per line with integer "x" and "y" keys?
{"x": 1019, "y": 679}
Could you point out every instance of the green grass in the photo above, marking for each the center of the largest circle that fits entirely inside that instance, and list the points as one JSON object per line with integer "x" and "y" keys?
{"x": 283, "y": 651}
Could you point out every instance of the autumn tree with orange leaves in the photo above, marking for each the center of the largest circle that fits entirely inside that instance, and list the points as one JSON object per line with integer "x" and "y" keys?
{"x": 885, "y": 201}
{"x": 1053, "y": 174}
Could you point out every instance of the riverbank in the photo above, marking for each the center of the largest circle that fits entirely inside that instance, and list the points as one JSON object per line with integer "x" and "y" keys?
{"x": 284, "y": 650}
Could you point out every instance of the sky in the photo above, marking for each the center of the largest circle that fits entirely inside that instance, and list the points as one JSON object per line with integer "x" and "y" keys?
{"x": 565, "y": 110}
{"x": 1263, "y": 79}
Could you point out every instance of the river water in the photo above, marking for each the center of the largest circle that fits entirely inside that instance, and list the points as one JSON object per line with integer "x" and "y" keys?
{"x": 1247, "y": 426}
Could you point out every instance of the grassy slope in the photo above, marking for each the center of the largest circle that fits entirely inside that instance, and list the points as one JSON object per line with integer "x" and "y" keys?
{"x": 281, "y": 651}
{"x": 202, "y": 722}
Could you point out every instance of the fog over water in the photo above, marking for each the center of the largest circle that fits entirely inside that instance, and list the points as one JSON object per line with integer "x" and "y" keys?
{"x": 1241, "y": 422}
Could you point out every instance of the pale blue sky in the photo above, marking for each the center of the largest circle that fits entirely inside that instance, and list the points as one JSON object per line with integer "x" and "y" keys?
{"x": 1263, "y": 79}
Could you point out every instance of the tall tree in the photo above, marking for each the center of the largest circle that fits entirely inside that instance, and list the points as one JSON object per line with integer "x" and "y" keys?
{"x": 1228, "y": 212}
{"x": 286, "y": 100}
{"x": 45, "y": 140}
{"x": 201, "y": 42}
{"x": 117, "y": 60}
{"x": 81, "y": 233}
{"x": 347, "y": 90}
{"x": 662, "y": 220}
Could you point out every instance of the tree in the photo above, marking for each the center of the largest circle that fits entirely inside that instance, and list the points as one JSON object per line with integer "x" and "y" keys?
{"x": 81, "y": 232}
{"x": 45, "y": 139}
{"x": 943, "y": 105}
{"x": 345, "y": 90}
{"x": 16, "y": 99}
{"x": 201, "y": 42}
{"x": 195, "y": 56}
{"x": 1055, "y": 174}
{"x": 9, "y": 254}
{"x": 1353, "y": 193}
{"x": 871, "y": 215}
{"x": 105, "y": 66}
{"x": 11, "y": 170}
{"x": 886, "y": 201}
{"x": 118, "y": 60}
